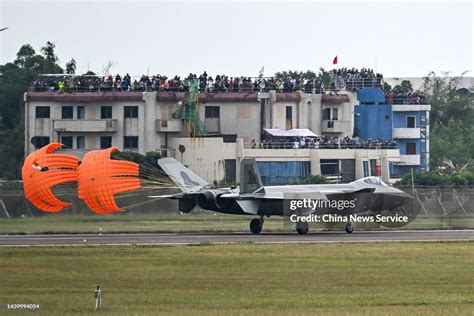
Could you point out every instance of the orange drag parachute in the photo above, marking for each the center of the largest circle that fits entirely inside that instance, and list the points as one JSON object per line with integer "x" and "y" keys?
{"x": 100, "y": 178}
{"x": 42, "y": 170}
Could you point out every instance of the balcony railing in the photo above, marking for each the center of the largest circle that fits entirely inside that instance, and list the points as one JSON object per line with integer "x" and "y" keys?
{"x": 355, "y": 84}
{"x": 86, "y": 83}
{"x": 317, "y": 145}
{"x": 406, "y": 99}
{"x": 411, "y": 133}
{"x": 85, "y": 126}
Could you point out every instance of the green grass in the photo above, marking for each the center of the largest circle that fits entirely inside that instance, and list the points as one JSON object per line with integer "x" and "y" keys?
{"x": 136, "y": 222}
{"x": 249, "y": 279}
{"x": 130, "y": 223}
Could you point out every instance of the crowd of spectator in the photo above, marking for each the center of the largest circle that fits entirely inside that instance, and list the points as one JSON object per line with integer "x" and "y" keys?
{"x": 220, "y": 83}
{"x": 323, "y": 142}
{"x": 343, "y": 78}
{"x": 416, "y": 97}
{"x": 353, "y": 79}
{"x": 340, "y": 78}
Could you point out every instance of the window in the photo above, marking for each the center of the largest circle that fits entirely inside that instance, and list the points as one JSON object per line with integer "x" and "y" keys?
{"x": 365, "y": 165}
{"x": 411, "y": 122}
{"x": 212, "y": 112}
{"x": 130, "y": 111}
{"x": 329, "y": 166}
{"x": 327, "y": 114}
{"x": 42, "y": 112}
{"x": 105, "y": 142}
{"x": 81, "y": 142}
{"x": 67, "y": 141}
{"x": 334, "y": 114}
{"x": 105, "y": 112}
{"x": 40, "y": 141}
{"x": 411, "y": 149}
{"x": 289, "y": 117}
{"x": 81, "y": 112}
{"x": 66, "y": 112}
{"x": 130, "y": 142}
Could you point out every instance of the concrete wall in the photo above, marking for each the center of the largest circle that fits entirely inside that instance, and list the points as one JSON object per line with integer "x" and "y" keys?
{"x": 44, "y": 126}
{"x": 374, "y": 121}
{"x": 206, "y": 156}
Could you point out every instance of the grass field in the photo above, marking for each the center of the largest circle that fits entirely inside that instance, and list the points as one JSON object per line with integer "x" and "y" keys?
{"x": 249, "y": 279}
{"x": 133, "y": 222}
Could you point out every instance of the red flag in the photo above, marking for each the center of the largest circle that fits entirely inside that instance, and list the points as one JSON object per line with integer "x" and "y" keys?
{"x": 334, "y": 61}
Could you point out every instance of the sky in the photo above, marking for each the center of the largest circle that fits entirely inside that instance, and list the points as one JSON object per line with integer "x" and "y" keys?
{"x": 238, "y": 38}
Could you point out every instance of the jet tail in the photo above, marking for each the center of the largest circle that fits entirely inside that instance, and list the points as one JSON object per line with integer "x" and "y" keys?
{"x": 180, "y": 175}
{"x": 249, "y": 177}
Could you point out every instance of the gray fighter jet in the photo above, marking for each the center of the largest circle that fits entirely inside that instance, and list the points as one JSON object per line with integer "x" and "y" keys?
{"x": 367, "y": 196}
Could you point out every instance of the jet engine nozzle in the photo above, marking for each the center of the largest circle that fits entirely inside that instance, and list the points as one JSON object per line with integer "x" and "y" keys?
{"x": 211, "y": 200}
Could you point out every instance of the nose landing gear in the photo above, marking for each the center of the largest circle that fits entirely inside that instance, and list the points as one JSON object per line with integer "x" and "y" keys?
{"x": 302, "y": 228}
{"x": 349, "y": 229}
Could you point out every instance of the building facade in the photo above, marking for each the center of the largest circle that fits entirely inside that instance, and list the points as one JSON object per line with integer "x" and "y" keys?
{"x": 407, "y": 124}
{"x": 143, "y": 122}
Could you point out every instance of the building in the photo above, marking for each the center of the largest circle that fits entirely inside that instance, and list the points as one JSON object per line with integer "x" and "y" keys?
{"x": 407, "y": 124}
{"x": 143, "y": 122}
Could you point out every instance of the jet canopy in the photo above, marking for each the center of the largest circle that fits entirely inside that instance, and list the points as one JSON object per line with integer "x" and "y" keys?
{"x": 371, "y": 181}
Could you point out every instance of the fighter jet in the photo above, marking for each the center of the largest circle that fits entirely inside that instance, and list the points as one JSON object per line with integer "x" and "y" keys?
{"x": 366, "y": 196}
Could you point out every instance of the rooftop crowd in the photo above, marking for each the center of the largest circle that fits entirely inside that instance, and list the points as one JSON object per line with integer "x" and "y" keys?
{"x": 416, "y": 97}
{"x": 340, "y": 78}
{"x": 220, "y": 83}
{"x": 343, "y": 78}
{"x": 322, "y": 142}
{"x": 353, "y": 79}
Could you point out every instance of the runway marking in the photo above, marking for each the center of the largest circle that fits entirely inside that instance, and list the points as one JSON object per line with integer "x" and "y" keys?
{"x": 179, "y": 239}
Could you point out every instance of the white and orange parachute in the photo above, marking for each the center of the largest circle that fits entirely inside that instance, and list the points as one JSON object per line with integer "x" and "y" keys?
{"x": 99, "y": 178}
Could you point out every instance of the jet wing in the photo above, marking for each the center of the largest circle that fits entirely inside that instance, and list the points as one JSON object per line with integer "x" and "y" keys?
{"x": 280, "y": 194}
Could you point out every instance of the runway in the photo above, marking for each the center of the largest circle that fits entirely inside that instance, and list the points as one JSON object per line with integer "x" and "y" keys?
{"x": 167, "y": 239}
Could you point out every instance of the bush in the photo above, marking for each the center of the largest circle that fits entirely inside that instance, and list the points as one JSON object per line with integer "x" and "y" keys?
{"x": 316, "y": 179}
{"x": 460, "y": 178}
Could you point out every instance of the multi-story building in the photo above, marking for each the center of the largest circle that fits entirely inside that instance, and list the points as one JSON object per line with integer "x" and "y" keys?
{"x": 407, "y": 124}
{"x": 143, "y": 122}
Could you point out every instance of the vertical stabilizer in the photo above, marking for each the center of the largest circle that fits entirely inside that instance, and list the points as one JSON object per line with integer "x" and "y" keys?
{"x": 249, "y": 177}
{"x": 180, "y": 175}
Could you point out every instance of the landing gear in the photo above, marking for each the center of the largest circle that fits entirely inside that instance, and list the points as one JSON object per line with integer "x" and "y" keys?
{"x": 256, "y": 225}
{"x": 349, "y": 228}
{"x": 302, "y": 228}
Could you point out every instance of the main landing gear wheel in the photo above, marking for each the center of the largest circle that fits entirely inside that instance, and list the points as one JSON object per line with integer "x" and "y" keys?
{"x": 349, "y": 228}
{"x": 302, "y": 228}
{"x": 256, "y": 225}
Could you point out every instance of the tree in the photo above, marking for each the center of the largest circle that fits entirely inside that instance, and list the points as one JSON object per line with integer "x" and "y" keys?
{"x": 433, "y": 178}
{"x": 48, "y": 52}
{"x": 324, "y": 76}
{"x": 106, "y": 68}
{"x": 150, "y": 158}
{"x": 25, "y": 53}
{"x": 387, "y": 88}
{"x": 451, "y": 119}
{"x": 15, "y": 79}
{"x": 404, "y": 87}
{"x": 71, "y": 67}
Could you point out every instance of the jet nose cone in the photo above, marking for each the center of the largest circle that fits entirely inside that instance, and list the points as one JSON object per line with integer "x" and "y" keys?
{"x": 405, "y": 195}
